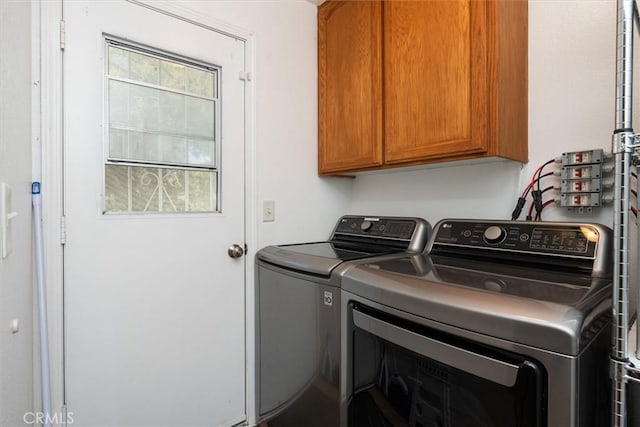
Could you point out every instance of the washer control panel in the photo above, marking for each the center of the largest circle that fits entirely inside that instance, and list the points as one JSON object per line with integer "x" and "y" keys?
{"x": 397, "y": 228}
{"x": 408, "y": 234}
{"x": 517, "y": 236}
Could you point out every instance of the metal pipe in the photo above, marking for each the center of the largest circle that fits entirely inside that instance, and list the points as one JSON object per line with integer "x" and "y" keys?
{"x": 624, "y": 65}
{"x": 622, "y": 150}
{"x": 620, "y": 288}
{"x": 623, "y": 140}
{"x": 621, "y": 256}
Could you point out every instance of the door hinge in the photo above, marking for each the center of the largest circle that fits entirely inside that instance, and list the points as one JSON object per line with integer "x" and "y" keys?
{"x": 63, "y": 230}
{"x": 63, "y": 35}
{"x": 245, "y": 76}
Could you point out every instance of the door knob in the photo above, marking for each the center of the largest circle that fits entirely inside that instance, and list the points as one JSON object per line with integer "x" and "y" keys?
{"x": 235, "y": 251}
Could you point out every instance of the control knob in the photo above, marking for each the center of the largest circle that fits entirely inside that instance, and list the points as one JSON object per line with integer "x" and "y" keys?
{"x": 494, "y": 234}
{"x": 366, "y": 225}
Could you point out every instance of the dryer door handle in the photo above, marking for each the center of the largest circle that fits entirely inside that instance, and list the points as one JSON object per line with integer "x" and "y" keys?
{"x": 491, "y": 369}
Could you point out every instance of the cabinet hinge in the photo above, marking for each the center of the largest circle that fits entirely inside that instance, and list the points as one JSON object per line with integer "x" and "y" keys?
{"x": 63, "y": 230}
{"x": 245, "y": 76}
{"x": 62, "y": 35}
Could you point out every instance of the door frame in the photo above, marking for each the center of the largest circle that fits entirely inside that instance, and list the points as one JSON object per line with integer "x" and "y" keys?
{"x": 48, "y": 33}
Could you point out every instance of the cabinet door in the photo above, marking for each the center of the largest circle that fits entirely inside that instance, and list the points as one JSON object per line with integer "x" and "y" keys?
{"x": 435, "y": 79}
{"x": 350, "y": 85}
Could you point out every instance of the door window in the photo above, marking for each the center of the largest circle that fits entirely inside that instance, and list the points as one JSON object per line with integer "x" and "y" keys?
{"x": 161, "y": 151}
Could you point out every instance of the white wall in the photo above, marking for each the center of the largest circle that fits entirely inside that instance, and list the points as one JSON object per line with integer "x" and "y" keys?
{"x": 285, "y": 79}
{"x": 571, "y": 107}
{"x": 16, "y": 350}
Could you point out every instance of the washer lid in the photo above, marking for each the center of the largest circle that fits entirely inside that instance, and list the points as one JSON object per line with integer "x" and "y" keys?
{"x": 313, "y": 258}
{"x": 354, "y": 237}
{"x": 559, "y": 312}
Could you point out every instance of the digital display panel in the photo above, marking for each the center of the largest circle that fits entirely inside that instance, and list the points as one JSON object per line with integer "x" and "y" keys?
{"x": 574, "y": 241}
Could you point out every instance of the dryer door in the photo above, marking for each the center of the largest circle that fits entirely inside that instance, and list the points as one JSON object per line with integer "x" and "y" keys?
{"x": 407, "y": 374}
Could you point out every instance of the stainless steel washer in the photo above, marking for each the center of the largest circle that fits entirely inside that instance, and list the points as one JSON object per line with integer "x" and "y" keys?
{"x": 298, "y": 315}
{"x": 504, "y": 324}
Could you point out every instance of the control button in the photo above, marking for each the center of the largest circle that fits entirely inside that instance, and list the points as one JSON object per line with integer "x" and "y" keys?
{"x": 466, "y": 233}
{"x": 366, "y": 225}
{"x": 494, "y": 285}
{"x": 524, "y": 237}
{"x": 494, "y": 234}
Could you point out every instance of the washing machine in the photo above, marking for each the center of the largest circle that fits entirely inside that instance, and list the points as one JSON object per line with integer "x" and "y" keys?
{"x": 298, "y": 318}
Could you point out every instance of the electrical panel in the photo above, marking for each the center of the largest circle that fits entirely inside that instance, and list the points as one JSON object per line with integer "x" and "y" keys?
{"x": 583, "y": 179}
{"x": 581, "y": 182}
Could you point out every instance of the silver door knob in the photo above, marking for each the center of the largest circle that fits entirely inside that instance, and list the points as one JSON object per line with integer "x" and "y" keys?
{"x": 235, "y": 251}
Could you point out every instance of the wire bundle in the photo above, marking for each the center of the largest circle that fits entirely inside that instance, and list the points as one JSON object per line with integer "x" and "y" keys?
{"x": 533, "y": 188}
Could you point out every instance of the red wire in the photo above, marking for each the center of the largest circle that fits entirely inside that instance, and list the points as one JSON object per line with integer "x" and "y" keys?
{"x": 533, "y": 180}
{"x": 537, "y": 172}
{"x": 547, "y": 203}
{"x": 544, "y": 205}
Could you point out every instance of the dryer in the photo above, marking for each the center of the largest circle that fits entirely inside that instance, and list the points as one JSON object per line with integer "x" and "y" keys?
{"x": 503, "y": 324}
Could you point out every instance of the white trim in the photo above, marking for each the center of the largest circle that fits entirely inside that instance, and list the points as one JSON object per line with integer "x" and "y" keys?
{"x": 176, "y": 10}
{"x": 35, "y": 161}
{"x": 251, "y": 230}
{"x": 52, "y": 190}
{"x": 36, "y": 148}
{"x": 53, "y": 169}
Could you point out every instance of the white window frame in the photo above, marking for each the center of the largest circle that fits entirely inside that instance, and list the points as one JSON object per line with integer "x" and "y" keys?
{"x": 111, "y": 40}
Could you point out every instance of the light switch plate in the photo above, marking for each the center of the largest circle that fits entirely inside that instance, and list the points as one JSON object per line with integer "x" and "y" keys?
{"x": 268, "y": 211}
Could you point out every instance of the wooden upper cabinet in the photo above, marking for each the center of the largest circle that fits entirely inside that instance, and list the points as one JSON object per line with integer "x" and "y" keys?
{"x": 349, "y": 85}
{"x": 454, "y": 82}
{"x": 435, "y": 63}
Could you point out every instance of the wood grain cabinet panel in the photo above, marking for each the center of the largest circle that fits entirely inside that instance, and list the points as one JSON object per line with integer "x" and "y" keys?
{"x": 350, "y": 85}
{"x": 435, "y": 73}
{"x": 416, "y": 82}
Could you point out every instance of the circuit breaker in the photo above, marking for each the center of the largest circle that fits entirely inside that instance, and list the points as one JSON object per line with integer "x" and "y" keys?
{"x": 581, "y": 175}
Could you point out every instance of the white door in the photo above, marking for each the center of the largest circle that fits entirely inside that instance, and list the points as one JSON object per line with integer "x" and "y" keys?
{"x": 154, "y": 197}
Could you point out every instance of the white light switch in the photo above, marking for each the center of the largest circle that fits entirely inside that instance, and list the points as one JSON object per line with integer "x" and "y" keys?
{"x": 6, "y": 215}
{"x": 268, "y": 211}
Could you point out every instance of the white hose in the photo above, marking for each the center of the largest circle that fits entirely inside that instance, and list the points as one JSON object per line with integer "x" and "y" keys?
{"x": 36, "y": 199}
